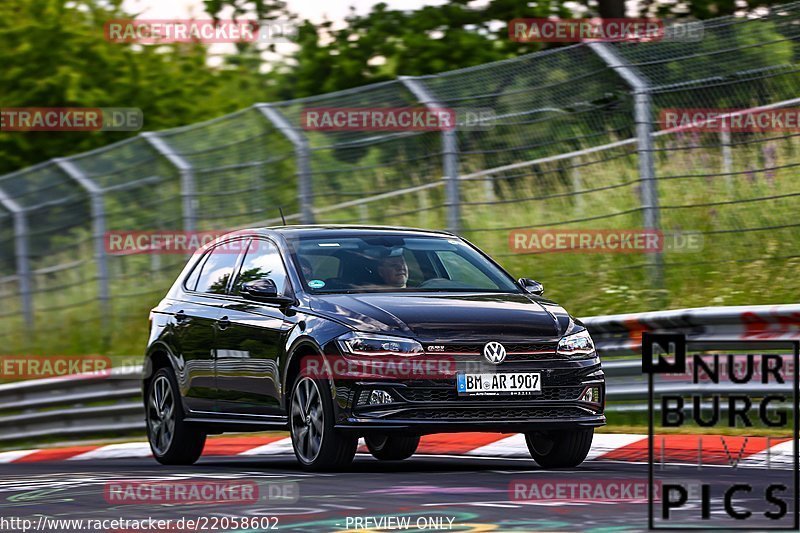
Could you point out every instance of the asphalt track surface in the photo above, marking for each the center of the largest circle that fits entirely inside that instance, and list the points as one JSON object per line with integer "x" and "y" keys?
{"x": 458, "y": 493}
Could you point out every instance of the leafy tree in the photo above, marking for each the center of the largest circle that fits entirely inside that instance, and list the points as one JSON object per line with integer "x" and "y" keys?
{"x": 702, "y": 9}
{"x": 386, "y": 43}
{"x": 55, "y": 55}
{"x": 264, "y": 9}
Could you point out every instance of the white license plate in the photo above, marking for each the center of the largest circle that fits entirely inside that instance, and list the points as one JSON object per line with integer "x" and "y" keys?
{"x": 506, "y": 383}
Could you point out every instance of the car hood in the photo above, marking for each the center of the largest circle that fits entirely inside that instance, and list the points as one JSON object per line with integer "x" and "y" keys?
{"x": 448, "y": 317}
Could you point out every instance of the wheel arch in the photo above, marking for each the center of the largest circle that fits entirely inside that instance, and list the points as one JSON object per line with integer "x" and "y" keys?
{"x": 158, "y": 356}
{"x": 301, "y": 347}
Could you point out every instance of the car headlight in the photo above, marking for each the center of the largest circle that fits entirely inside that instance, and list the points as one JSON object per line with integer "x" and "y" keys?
{"x": 368, "y": 344}
{"x": 577, "y": 345}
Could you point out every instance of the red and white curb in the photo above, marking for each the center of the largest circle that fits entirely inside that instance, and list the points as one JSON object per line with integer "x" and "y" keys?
{"x": 753, "y": 452}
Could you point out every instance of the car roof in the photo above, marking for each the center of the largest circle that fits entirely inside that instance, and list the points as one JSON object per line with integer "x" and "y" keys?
{"x": 327, "y": 230}
{"x": 323, "y": 231}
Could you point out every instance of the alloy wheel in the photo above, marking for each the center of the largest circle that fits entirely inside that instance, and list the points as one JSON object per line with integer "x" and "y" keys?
{"x": 307, "y": 420}
{"x": 161, "y": 415}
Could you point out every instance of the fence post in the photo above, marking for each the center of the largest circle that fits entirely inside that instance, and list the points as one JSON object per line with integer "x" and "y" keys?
{"x": 23, "y": 256}
{"x": 577, "y": 184}
{"x": 727, "y": 158}
{"x": 303, "y": 155}
{"x": 644, "y": 133}
{"x": 187, "y": 177}
{"x": 98, "y": 208}
{"x": 449, "y": 150}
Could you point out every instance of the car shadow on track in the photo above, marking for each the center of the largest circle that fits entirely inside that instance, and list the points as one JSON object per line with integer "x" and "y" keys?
{"x": 364, "y": 463}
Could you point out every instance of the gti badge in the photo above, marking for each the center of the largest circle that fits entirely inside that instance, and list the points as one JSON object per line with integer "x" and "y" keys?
{"x": 494, "y": 352}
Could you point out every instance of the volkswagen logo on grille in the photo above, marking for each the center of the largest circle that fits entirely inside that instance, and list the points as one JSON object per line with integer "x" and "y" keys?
{"x": 494, "y": 352}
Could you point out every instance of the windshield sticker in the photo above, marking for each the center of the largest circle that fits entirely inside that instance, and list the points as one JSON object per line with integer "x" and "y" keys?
{"x": 316, "y": 283}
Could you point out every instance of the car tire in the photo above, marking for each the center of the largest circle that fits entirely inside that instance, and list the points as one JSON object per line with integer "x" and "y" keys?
{"x": 560, "y": 449}
{"x": 316, "y": 442}
{"x": 172, "y": 441}
{"x": 392, "y": 447}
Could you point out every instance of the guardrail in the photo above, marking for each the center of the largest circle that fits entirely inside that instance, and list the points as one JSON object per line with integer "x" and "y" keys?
{"x": 622, "y": 334}
{"x": 86, "y": 406}
{"x": 72, "y": 406}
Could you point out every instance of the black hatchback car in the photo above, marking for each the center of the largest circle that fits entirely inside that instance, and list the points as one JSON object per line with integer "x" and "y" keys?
{"x": 341, "y": 332}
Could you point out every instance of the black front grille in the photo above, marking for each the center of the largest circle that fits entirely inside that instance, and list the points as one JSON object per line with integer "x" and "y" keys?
{"x": 450, "y": 395}
{"x": 477, "y": 349}
{"x": 492, "y": 414}
{"x": 514, "y": 357}
{"x": 514, "y": 351}
{"x": 521, "y": 348}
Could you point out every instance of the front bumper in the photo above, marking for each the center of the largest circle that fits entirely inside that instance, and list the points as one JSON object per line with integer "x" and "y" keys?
{"x": 434, "y": 406}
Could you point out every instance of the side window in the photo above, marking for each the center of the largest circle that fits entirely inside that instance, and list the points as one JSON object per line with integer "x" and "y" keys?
{"x": 263, "y": 260}
{"x": 218, "y": 269}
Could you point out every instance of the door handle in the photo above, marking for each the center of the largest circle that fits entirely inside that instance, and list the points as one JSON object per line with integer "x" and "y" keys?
{"x": 223, "y": 323}
{"x": 181, "y": 318}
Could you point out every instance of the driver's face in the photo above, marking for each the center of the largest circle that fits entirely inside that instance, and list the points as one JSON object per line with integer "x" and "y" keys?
{"x": 394, "y": 271}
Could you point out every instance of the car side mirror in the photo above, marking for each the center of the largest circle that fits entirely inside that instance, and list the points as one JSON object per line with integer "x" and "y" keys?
{"x": 531, "y": 286}
{"x": 263, "y": 290}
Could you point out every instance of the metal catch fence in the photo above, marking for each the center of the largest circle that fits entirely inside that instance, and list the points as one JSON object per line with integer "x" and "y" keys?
{"x": 578, "y": 141}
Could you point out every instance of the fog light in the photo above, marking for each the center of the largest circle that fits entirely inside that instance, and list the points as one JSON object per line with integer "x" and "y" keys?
{"x": 379, "y": 397}
{"x": 591, "y": 395}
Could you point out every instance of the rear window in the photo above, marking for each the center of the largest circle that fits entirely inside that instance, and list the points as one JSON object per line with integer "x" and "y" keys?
{"x": 191, "y": 280}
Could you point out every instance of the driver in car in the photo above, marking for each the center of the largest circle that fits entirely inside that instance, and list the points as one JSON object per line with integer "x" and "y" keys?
{"x": 393, "y": 269}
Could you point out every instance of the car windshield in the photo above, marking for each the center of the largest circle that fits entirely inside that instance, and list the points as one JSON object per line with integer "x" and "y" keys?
{"x": 395, "y": 263}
